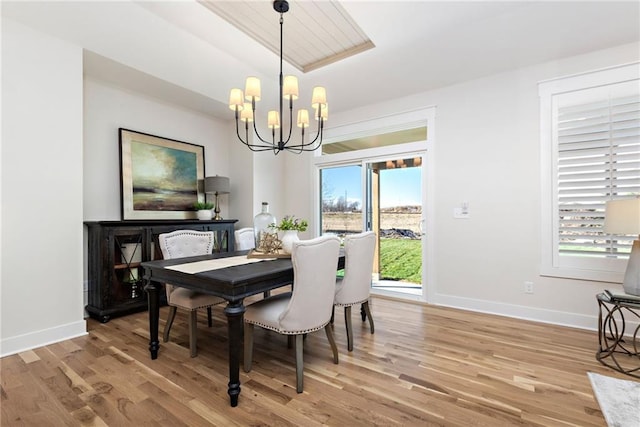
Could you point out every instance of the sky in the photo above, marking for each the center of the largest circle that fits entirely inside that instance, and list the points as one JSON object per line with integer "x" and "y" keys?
{"x": 398, "y": 187}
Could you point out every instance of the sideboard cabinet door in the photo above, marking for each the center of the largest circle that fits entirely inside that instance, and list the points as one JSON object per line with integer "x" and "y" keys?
{"x": 117, "y": 248}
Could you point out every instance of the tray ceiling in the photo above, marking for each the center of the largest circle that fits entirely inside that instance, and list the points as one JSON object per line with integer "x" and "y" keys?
{"x": 316, "y": 33}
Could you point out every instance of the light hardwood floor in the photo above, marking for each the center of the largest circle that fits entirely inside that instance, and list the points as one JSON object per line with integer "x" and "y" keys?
{"x": 424, "y": 366}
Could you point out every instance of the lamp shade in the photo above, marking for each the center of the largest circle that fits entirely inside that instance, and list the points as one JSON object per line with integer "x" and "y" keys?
{"x": 622, "y": 216}
{"x": 216, "y": 184}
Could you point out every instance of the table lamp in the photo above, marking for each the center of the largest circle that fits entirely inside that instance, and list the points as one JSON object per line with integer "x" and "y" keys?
{"x": 623, "y": 217}
{"x": 216, "y": 185}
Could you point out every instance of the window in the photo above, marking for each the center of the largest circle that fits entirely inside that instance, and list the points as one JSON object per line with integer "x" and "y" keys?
{"x": 590, "y": 131}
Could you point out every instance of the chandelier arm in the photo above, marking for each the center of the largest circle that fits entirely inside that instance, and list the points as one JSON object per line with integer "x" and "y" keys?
{"x": 255, "y": 129}
{"x": 246, "y": 127}
{"x": 252, "y": 147}
{"x": 301, "y": 140}
{"x": 318, "y": 132}
{"x": 305, "y": 146}
{"x": 290, "y": 121}
{"x": 297, "y": 149}
{"x": 315, "y": 138}
{"x": 258, "y": 148}
{"x": 238, "y": 128}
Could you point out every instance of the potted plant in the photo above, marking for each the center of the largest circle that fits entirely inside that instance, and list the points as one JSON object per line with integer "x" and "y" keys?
{"x": 203, "y": 210}
{"x": 290, "y": 226}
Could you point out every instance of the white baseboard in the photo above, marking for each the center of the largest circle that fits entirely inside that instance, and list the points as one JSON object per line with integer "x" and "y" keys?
{"x": 500, "y": 309}
{"x": 554, "y": 317}
{"x": 41, "y": 338}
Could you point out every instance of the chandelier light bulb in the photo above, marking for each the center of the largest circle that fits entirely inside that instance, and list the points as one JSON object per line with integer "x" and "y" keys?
{"x": 319, "y": 96}
{"x": 252, "y": 89}
{"x": 323, "y": 114}
{"x": 290, "y": 88}
{"x": 303, "y": 118}
{"x": 247, "y": 114}
{"x": 273, "y": 120}
{"x": 236, "y": 99}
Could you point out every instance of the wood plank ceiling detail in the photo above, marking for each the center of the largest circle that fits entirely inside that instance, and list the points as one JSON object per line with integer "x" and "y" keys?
{"x": 316, "y": 33}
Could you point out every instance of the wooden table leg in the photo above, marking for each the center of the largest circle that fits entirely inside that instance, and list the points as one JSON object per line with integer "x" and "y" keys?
{"x": 235, "y": 318}
{"x": 153, "y": 296}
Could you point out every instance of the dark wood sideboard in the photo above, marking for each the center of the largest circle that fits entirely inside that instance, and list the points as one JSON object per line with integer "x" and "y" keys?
{"x": 115, "y": 251}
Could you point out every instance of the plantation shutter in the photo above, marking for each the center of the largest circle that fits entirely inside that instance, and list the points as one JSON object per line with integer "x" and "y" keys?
{"x": 598, "y": 145}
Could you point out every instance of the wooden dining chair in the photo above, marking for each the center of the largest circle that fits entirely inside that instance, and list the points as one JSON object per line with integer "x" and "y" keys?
{"x": 180, "y": 244}
{"x": 355, "y": 287}
{"x": 307, "y": 308}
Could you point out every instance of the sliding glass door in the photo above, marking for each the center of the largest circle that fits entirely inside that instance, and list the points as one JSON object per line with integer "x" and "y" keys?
{"x": 394, "y": 188}
{"x": 341, "y": 199}
{"x": 385, "y": 196}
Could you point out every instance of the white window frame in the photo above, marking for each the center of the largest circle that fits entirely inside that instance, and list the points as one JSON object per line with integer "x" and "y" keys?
{"x": 552, "y": 263}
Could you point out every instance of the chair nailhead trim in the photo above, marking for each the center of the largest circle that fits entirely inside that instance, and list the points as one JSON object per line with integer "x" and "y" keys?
{"x": 352, "y": 304}
{"x": 306, "y": 331}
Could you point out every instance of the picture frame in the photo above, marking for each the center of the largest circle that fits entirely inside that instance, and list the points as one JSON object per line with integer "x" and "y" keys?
{"x": 160, "y": 178}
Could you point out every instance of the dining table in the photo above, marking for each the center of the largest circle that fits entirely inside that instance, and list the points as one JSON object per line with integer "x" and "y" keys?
{"x": 232, "y": 276}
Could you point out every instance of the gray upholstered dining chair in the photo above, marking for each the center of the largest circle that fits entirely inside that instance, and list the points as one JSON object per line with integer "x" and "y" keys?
{"x": 355, "y": 287}
{"x": 245, "y": 239}
{"x": 307, "y": 308}
{"x": 180, "y": 244}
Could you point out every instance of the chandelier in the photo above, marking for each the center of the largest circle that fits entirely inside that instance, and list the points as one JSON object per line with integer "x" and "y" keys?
{"x": 244, "y": 106}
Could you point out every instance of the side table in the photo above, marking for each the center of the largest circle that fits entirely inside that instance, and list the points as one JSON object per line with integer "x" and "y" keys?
{"x": 618, "y": 351}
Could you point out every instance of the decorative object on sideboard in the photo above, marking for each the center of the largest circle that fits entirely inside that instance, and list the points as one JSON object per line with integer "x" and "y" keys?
{"x": 246, "y": 111}
{"x": 159, "y": 176}
{"x": 263, "y": 231}
{"x": 131, "y": 254}
{"x": 203, "y": 210}
{"x": 290, "y": 226}
{"x": 216, "y": 185}
{"x": 622, "y": 217}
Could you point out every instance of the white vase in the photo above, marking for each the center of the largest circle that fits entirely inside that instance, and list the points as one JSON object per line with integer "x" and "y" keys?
{"x": 204, "y": 214}
{"x": 289, "y": 237}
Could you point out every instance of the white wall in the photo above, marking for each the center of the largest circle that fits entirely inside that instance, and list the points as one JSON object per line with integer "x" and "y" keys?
{"x": 107, "y": 108}
{"x": 75, "y": 170}
{"x": 487, "y": 152}
{"x": 41, "y": 189}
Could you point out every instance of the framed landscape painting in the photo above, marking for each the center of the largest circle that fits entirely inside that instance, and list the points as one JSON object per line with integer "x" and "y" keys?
{"x": 160, "y": 178}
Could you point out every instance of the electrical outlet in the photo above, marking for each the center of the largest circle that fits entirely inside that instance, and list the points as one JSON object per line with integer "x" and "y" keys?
{"x": 528, "y": 287}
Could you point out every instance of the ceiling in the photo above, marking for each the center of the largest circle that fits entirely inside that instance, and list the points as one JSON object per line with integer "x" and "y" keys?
{"x": 318, "y": 33}
{"x": 423, "y": 45}
{"x": 418, "y": 46}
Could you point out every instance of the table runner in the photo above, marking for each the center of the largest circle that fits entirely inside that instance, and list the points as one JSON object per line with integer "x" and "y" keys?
{"x": 214, "y": 264}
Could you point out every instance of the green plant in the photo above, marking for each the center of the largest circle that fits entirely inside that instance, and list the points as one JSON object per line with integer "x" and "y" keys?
{"x": 200, "y": 206}
{"x": 290, "y": 222}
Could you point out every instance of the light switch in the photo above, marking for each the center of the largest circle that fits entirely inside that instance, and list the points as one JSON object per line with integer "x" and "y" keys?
{"x": 462, "y": 212}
